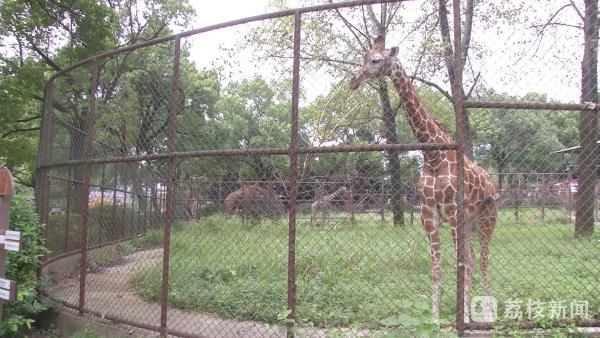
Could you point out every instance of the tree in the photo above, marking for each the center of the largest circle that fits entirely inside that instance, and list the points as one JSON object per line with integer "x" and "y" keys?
{"x": 520, "y": 141}
{"x": 588, "y": 128}
{"x": 49, "y": 35}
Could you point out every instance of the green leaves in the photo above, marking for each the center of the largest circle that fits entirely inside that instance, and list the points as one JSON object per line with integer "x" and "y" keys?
{"x": 521, "y": 141}
{"x": 22, "y": 267}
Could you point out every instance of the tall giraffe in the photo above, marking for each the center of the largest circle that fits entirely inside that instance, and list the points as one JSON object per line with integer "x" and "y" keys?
{"x": 323, "y": 204}
{"x": 437, "y": 186}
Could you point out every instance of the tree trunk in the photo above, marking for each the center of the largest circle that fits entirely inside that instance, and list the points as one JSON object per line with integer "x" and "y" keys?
{"x": 588, "y": 124}
{"x": 391, "y": 136}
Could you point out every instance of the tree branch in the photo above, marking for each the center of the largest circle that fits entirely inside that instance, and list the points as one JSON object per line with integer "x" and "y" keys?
{"x": 466, "y": 37}
{"x": 434, "y": 85}
{"x": 577, "y": 10}
{"x": 544, "y": 26}
{"x": 43, "y": 55}
{"x": 473, "y": 86}
{"x": 447, "y": 43}
{"x": 314, "y": 58}
{"x": 352, "y": 28}
{"x": 373, "y": 17}
{"x": 390, "y": 19}
{"x": 556, "y": 24}
{"x": 19, "y": 130}
{"x": 29, "y": 119}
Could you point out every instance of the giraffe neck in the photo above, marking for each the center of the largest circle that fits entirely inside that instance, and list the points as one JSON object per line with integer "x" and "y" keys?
{"x": 423, "y": 125}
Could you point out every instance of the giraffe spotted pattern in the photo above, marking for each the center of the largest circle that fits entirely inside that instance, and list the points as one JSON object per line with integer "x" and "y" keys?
{"x": 438, "y": 183}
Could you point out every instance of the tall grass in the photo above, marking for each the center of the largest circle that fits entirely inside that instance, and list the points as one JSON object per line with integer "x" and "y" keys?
{"x": 361, "y": 275}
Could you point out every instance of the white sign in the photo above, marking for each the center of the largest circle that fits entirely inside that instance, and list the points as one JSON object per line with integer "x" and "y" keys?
{"x": 12, "y": 235}
{"x": 4, "y": 294}
{"x": 11, "y": 240}
{"x": 12, "y": 246}
{"x": 5, "y": 283}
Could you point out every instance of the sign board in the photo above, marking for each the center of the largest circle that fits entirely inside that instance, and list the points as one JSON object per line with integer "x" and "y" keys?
{"x": 8, "y": 289}
{"x": 11, "y": 240}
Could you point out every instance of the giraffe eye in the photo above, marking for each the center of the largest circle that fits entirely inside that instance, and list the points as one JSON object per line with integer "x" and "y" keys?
{"x": 377, "y": 58}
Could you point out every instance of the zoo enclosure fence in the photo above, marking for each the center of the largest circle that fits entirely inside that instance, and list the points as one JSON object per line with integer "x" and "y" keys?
{"x": 74, "y": 179}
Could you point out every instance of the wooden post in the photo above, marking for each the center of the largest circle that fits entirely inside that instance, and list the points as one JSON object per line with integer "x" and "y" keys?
{"x": 7, "y": 191}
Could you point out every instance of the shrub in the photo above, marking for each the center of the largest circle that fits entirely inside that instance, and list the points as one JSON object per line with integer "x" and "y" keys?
{"x": 22, "y": 267}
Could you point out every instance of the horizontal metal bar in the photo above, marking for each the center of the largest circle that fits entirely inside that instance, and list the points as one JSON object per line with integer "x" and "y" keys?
{"x": 529, "y": 105}
{"x": 273, "y": 15}
{"x": 260, "y": 151}
{"x": 133, "y": 323}
{"x": 93, "y": 247}
{"x": 106, "y": 188}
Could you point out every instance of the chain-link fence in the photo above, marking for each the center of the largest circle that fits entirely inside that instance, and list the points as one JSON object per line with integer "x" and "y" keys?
{"x": 251, "y": 192}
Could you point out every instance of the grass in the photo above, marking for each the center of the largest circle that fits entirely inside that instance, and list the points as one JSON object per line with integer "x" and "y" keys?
{"x": 361, "y": 276}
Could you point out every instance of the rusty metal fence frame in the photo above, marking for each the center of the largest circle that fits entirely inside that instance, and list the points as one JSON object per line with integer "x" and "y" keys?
{"x": 49, "y": 120}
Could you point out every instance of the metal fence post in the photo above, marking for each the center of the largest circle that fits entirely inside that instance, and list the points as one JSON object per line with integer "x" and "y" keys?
{"x": 164, "y": 297}
{"x": 462, "y": 233}
{"x": 291, "y": 294}
{"x": 87, "y": 176}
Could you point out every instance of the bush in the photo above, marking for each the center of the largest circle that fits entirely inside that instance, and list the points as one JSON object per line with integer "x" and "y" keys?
{"x": 22, "y": 267}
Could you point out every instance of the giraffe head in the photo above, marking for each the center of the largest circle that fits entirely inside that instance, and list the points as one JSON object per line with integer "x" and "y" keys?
{"x": 377, "y": 62}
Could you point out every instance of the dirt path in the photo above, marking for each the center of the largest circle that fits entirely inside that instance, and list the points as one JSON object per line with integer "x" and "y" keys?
{"x": 109, "y": 292}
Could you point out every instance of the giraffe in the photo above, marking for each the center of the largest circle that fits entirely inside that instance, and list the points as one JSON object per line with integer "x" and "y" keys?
{"x": 323, "y": 204}
{"x": 191, "y": 207}
{"x": 437, "y": 185}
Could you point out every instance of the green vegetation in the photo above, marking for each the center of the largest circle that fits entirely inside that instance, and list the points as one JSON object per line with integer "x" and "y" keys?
{"x": 105, "y": 224}
{"x": 22, "y": 267}
{"x": 366, "y": 275}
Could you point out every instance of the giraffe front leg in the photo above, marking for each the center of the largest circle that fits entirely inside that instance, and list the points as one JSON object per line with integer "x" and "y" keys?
{"x": 430, "y": 221}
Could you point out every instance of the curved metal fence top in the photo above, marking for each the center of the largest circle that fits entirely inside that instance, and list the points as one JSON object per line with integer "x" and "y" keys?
{"x": 272, "y": 15}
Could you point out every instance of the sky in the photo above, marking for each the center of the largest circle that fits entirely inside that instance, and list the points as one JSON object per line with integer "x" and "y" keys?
{"x": 512, "y": 65}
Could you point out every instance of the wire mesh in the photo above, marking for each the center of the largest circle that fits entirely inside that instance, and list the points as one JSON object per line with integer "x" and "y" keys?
{"x": 361, "y": 263}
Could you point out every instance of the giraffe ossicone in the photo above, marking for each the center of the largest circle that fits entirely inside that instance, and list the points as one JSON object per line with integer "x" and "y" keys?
{"x": 437, "y": 185}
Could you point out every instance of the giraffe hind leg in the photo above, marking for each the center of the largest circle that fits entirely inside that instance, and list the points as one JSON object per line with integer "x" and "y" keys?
{"x": 487, "y": 223}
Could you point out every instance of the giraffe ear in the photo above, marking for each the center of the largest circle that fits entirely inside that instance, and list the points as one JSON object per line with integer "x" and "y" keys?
{"x": 393, "y": 51}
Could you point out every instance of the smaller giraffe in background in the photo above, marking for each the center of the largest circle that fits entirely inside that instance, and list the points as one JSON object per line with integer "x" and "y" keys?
{"x": 323, "y": 205}
{"x": 191, "y": 208}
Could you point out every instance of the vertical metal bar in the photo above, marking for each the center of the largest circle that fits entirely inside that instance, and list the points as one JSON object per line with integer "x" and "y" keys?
{"x": 123, "y": 212}
{"x": 42, "y": 186}
{"x": 130, "y": 221}
{"x": 146, "y": 204}
{"x": 87, "y": 173}
{"x": 101, "y": 222}
{"x": 164, "y": 297}
{"x": 291, "y": 294}
{"x": 44, "y": 153}
{"x": 462, "y": 239}
{"x": 68, "y": 212}
{"x": 114, "y": 208}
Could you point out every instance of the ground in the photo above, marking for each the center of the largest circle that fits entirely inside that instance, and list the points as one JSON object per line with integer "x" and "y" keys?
{"x": 229, "y": 277}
